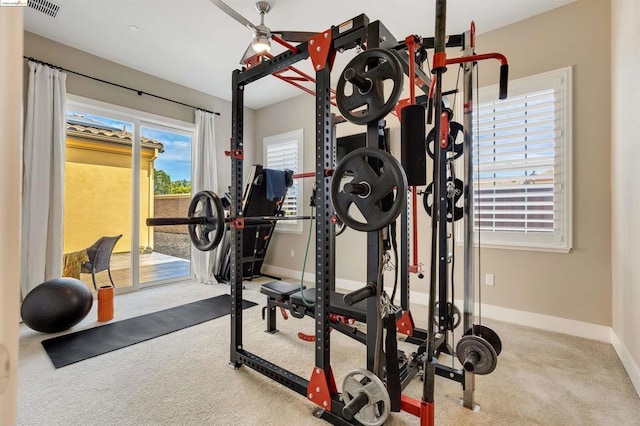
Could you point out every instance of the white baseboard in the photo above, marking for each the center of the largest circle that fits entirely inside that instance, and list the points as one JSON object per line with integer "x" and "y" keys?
{"x": 627, "y": 361}
{"x": 530, "y": 319}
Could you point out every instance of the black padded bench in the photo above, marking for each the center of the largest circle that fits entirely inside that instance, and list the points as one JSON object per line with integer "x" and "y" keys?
{"x": 357, "y": 311}
{"x": 288, "y": 296}
{"x": 279, "y": 290}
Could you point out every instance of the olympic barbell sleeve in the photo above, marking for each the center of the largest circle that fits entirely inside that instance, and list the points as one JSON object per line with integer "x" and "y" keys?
{"x": 356, "y": 188}
{"x": 351, "y": 409}
{"x": 472, "y": 359}
{"x": 504, "y": 80}
{"x": 359, "y": 294}
{"x": 360, "y": 82}
{"x": 166, "y": 221}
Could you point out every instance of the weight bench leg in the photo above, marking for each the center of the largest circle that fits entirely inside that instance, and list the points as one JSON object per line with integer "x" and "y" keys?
{"x": 271, "y": 318}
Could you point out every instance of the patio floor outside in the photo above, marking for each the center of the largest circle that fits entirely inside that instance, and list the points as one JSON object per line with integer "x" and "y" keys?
{"x": 153, "y": 267}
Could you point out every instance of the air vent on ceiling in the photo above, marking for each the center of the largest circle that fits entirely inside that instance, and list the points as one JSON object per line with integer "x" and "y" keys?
{"x": 44, "y": 6}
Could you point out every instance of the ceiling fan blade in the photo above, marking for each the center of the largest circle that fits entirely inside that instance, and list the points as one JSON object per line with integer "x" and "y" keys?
{"x": 294, "y": 36}
{"x": 235, "y": 15}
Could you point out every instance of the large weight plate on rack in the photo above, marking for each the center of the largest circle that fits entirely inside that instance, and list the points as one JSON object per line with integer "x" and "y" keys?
{"x": 376, "y": 67}
{"x": 456, "y": 140}
{"x": 378, "y": 406}
{"x": 454, "y": 196}
{"x": 487, "y": 334}
{"x": 207, "y": 236}
{"x": 476, "y": 355}
{"x": 364, "y": 210}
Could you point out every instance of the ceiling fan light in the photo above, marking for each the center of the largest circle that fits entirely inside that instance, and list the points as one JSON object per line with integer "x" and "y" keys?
{"x": 261, "y": 43}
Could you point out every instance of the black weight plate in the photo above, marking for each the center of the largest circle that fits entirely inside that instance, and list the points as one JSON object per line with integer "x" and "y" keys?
{"x": 487, "y": 334}
{"x": 488, "y": 359}
{"x": 375, "y": 214}
{"x": 375, "y": 66}
{"x": 456, "y": 140}
{"x": 206, "y": 237}
{"x": 458, "y": 211}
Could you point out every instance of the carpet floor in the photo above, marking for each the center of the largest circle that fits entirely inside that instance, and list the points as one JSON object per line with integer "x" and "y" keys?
{"x": 183, "y": 378}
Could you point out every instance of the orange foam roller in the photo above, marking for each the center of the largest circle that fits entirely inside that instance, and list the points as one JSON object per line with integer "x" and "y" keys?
{"x": 105, "y": 304}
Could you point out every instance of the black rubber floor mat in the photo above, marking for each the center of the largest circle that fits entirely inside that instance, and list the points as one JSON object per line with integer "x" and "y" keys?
{"x": 75, "y": 347}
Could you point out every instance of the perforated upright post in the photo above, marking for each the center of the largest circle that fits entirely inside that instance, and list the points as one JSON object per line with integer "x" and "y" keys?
{"x": 469, "y": 379}
{"x": 237, "y": 125}
{"x": 324, "y": 254}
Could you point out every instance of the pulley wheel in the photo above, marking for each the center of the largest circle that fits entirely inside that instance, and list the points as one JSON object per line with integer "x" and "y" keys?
{"x": 456, "y": 140}
{"x": 487, "y": 334}
{"x": 358, "y": 189}
{"x": 361, "y": 94}
{"x": 207, "y": 236}
{"x": 378, "y": 404}
{"x": 455, "y": 317}
{"x": 476, "y": 355}
{"x": 455, "y": 189}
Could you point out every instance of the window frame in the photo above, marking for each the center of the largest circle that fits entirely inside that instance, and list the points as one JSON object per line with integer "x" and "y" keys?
{"x": 561, "y": 240}
{"x": 293, "y": 226}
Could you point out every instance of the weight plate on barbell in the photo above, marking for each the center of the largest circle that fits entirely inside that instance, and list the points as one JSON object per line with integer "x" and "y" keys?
{"x": 371, "y": 69}
{"x": 207, "y": 236}
{"x": 455, "y": 212}
{"x": 364, "y": 198}
{"x": 487, "y": 334}
{"x": 456, "y": 140}
{"x": 378, "y": 406}
{"x": 476, "y": 355}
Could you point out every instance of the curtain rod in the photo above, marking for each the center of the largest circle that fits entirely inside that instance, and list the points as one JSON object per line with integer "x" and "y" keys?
{"x": 139, "y": 92}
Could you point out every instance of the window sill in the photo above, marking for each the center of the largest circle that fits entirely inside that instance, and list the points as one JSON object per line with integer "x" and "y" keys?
{"x": 523, "y": 247}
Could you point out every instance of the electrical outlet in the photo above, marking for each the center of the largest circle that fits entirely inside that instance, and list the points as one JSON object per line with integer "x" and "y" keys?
{"x": 293, "y": 253}
{"x": 489, "y": 279}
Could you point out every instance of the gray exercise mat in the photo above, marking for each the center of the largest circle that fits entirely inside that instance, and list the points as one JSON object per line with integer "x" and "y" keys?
{"x": 75, "y": 347}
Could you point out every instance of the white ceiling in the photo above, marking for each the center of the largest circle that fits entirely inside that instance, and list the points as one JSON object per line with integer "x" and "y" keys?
{"x": 193, "y": 43}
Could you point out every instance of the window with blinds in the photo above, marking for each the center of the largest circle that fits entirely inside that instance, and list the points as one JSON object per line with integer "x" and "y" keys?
{"x": 522, "y": 163}
{"x": 284, "y": 151}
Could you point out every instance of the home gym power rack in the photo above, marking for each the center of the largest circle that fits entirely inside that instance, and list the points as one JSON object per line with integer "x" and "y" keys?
{"x": 477, "y": 350}
{"x": 322, "y": 48}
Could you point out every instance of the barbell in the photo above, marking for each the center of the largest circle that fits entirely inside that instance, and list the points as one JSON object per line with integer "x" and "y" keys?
{"x": 206, "y": 221}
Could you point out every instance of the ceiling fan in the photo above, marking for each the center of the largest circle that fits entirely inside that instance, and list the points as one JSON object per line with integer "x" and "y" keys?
{"x": 261, "y": 33}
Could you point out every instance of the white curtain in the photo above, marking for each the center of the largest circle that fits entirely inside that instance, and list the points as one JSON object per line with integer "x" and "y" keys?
{"x": 43, "y": 177}
{"x": 204, "y": 178}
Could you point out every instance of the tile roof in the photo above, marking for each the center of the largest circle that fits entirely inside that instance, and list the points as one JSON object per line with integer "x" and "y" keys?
{"x": 115, "y": 136}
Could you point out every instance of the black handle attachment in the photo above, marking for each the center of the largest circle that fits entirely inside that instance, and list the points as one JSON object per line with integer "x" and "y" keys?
{"x": 359, "y": 294}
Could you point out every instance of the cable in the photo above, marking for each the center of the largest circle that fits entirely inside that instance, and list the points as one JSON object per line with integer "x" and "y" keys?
{"x": 304, "y": 264}
{"x": 394, "y": 245}
{"x": 477, "y": 109}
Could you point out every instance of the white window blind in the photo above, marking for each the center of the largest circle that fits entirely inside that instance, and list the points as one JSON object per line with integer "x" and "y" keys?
{"x": 522, "y": 163}
{"x": 282, "y": 152}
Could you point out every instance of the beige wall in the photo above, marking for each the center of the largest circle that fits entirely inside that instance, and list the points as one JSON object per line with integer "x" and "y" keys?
{"x": 97, "y": 194}
{"x": 577, "y": 285}
{"x": 625, "y": 155}
{"x": 79, "y": 61}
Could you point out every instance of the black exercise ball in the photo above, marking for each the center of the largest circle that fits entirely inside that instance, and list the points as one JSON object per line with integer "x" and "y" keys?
{"x": 56, "y": 305}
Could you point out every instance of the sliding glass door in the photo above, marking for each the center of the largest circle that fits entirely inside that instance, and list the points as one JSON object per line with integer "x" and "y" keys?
{"x": 122, "y": 167}
{"x": 165, "y": 191}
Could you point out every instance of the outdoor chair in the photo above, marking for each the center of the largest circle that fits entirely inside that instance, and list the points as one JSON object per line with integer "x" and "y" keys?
{"x": 100, "y": 258}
